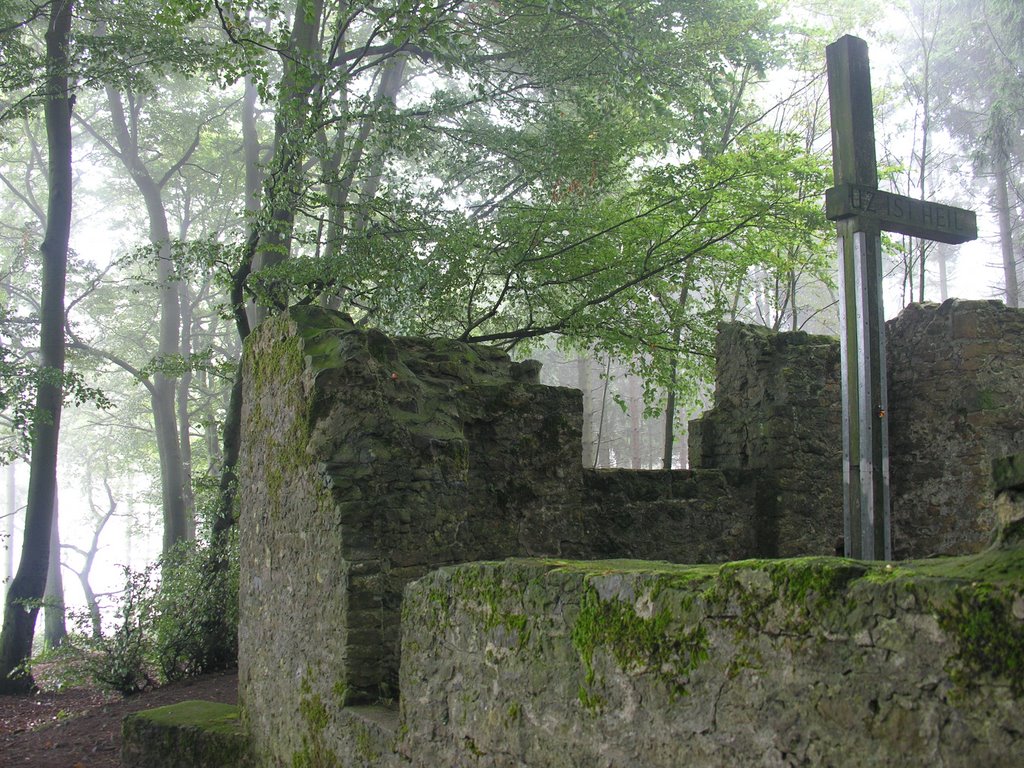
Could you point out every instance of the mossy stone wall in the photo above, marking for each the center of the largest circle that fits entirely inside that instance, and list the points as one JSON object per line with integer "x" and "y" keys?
{"x": 369, "y": 461}
{"x": 956, "y": 403}
{"x": 956, "y": 400}
{"x": 777, "y": 414}
{"x": 814, "y": 661}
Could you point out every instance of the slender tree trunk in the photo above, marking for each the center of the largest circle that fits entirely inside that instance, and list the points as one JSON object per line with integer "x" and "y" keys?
{"x": 54, "y": 626}
{"x": 1006, "y": 232}
{"x": 583, "y": 381}
{"x": 173, "y": 478}
{"x": 922, "y": 244}
{"x": 602, "y": 454}
{"x": 12, "y": 509}
{"x": 670, "y": 400}
{"x": 251, "y": 147}
{"x": 22, "y": 605}
{"x": 182, "y": 403}
{"x": 669, "y": 436}
{"x": 391, "y": 81}
{"x": 228, "y": 488}
{"x": 795, "y": 320}
{"x": 636, "y": 409}
{"x": 92, "y": 605}
{"x": 90, "y": 557}
{"x": 942, "y": 254}
{"x": 253, "y": 170}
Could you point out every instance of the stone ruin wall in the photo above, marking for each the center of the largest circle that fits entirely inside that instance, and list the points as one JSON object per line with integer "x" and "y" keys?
{"x": 807, "y": 662}
{"x": 778, "y": 413}
{"x": 956, "y": 402}
{"x": 371, "y": 461}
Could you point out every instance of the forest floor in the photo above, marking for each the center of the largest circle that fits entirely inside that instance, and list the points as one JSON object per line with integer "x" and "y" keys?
{"x": 81, "y": 728}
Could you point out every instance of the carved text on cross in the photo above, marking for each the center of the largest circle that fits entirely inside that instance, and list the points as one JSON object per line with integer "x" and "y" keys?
{"x": 898, "y": 213}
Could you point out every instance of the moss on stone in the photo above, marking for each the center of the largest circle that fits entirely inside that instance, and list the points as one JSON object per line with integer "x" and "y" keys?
{"x": 206, "y": 715}
{"x": 987, "y": 625}
{"x": 977, "y": 599}
{"x": 813, "y": 581}
{"x": 314, "y": 716}
{"x": 654, "y": 645}
{"x": 195, "y": 733}
{"x": 996, "y": 565}
{"x": 493, "y": 588}
{"x": 677, "y": 574}
{"x": 364, "y": 743}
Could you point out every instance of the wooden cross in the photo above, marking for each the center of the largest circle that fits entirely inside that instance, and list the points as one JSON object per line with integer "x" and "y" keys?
{"x": 861, "y": 212}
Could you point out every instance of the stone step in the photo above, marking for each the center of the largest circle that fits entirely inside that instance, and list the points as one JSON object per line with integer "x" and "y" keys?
{"x": 192, "y": 734}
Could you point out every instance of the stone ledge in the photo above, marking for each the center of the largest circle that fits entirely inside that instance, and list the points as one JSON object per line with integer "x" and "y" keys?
{"x": 809, "y": 661}
{"x": 198, "y": 734}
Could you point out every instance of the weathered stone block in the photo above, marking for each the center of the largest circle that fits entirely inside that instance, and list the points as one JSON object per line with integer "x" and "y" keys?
{"x": 815, "y": 661}
{"x": 198, "y": 734}
{"x": 949, "y": 423}
{"x": 777, "y": 412}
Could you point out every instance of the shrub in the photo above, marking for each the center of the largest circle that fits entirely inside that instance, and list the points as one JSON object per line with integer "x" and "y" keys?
{"x": 177, "y": 618}
{"x": 196, "y": 617}
{"x": 122, "y": 660}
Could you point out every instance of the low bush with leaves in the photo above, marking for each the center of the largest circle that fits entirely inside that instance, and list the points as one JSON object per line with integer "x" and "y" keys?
{"x": 177, "y": 618}
{"x": 195, "y": 625}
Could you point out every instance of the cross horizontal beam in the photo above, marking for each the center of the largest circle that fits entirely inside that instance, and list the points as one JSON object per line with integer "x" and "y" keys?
{"x": 898, "y": 213}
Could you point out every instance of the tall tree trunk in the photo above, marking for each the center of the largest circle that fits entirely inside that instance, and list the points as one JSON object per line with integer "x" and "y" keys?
{"x": 173, "y": 479}
{"x": 224, "y": 518}
{"x": 54, "y": 626}
{"x": 181, "y": 401}
{"x": 253, "y": 170}
{"x": 636, "y": 410}
{"x": 172, "y": 471}
{"x": 22, "y": 604}
{"x": 922, "y": 244}
{"x": 1006, "y": 231}
{"x": 670, "y": 400}
{"x": 291, "y": 135}
{"x": 12, "y": 509}
{"x": 251, "y": 147}
{"x": 583, "y": 382}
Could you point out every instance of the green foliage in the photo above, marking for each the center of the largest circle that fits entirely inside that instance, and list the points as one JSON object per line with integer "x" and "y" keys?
{"x": 19, "y": 382}
{"x": 177, "y": 618}
{"x": 21, "y": 60}
{"x": 122, "y": 661}
{"x": 196, "y": 610}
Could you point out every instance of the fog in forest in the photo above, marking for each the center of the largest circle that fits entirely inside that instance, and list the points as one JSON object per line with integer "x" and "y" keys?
{"x": 593, "y": 184}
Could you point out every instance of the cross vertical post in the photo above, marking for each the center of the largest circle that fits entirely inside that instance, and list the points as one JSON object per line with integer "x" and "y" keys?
{"x": 866, "y": 513}
{"x": 861, "y": 212}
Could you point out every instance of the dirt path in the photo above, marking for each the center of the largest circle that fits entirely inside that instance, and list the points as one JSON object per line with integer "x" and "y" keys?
{"x": 82, "y": 728}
